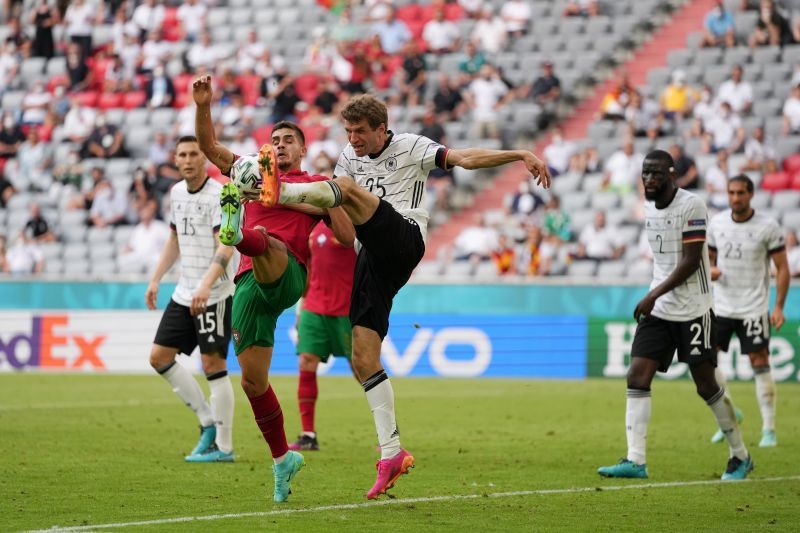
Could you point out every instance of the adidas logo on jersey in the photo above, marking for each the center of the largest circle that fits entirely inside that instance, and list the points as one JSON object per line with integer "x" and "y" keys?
{"x": 211, "y": 338}
{"x": 695, "y": 351}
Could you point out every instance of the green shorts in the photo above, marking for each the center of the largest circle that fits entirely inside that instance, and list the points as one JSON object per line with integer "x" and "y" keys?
{"x": 323, "y": 335}
{"x": 257, "y": 306}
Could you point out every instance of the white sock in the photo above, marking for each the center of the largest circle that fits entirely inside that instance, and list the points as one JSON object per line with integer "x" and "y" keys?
{"x": 188, "y": 389}
{"x": 318, "y": 193}
{"x": 311, "y": 434}
{"x": 381, "y": 400}
{"x": 766, "y": 393}
{"x": 637, "y": 416}
{"x": 722, "y": 381}
{"x": 222, "y": 406}
{"x": 722, "y": 407}
{"x": 279, "y": 460}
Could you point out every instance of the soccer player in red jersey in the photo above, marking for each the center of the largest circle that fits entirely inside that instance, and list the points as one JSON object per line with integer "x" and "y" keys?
{"x": 272, "y": 275}
{"x": 323, "y": 328}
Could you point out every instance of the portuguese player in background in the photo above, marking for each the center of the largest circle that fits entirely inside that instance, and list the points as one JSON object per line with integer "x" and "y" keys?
{"x": 323, "y": 327}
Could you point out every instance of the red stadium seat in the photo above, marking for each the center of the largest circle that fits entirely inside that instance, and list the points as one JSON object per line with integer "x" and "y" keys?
{"x": 182, "y": 100}
{"x": 216, "y": 174}
{"x": 416, "y": 27}
{"x": 98, "y": 67}
{"x": 777, "y": 181}
{"x": 110, "y": 100}
{"x": 133, "y": 99}
{"x": 251, "y": 87}
{"x": 262, "y": 135}
{"x": 795, "y": 181}
{"x": 409, "y": 12}
{"x": 55, "y": 81}
{"x": 307, "y": 87}
{"x": 792, "y": 163}
{"x": 88, "y": 98}
{"x": 3, "y": 162}
{"x": 182, "y": 82}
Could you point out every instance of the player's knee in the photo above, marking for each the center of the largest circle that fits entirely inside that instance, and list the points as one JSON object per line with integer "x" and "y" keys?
{"x": 213, "y": 364}
{"x": 308, "y": 362}
{"x": 159, "y": 358}
{"x": 759, "y": 359}
{"x": 637, "y": 380}
{"x": 254, "y": 387}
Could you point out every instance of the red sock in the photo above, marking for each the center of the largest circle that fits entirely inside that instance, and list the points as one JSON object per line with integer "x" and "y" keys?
{"x": 307, "y": 398}
{"x": 254, "y": 242}
{"x": 269, "y": 417}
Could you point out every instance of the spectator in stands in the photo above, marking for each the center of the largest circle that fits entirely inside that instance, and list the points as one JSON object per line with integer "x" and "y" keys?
{"x": 139, "y": 194}
{"x": 7, "y": 189}
{"x": 328, "y": 97}
{"x": 735, "y": 91}
{"x": 486, "y": 95}
{"x": 11, "y": 136}
{"x": 392, "y": 32}
{"x": 441, "y": 35}
{"x": 148, "y": 17}
{"x": 623, "y": 169}
{"x": 159, "y": 148}
{"x": 249, "y": 53}
{"x": 489, "y": 33}
{"x": 282, "y": 92}
{"x": 78, "y": 71}
{"x": 238, "y": 115}
{"x": 192, "y": 17}
{"x": 558, "y": 153}
{"x": 440, "y": 181}
{"x": 413, "y": 75}
{"x": 599, "y": 241}
{"x": 80, "y": 18}
{"x": 716, "y": 181}
{"x": 472, "y": 8}
{"x": 703, "y": 111}
{"x": 582, "y": 8}
{"x": 791, "y": 112}
{"x": 475, "y": 243}
{"x": 772, "y": 28}
{"x": 156, "y": 51}
{"x": 130, "y": 52}
{"x": 115, "y": 78}
{"x": 760, "y": 156}
{"x": 67, "y": 178}
{"x": 24, "y": 256}
{"x": 556, "y": 223}
{"x": 78, "y": 122}
{"x": 644, "y": 117}
{"x": 83, "y": 200}
{"x": 724, "y": 131}
{"x": 147, "y": 239}
{"x": 9, "y": 67}
{"x": 448, "y": 101}
{"x": 504, "y": 257}
{"x": 517, "y": 16}
{"x": 719, "y": 28}
{"x": 32, "y": 168}
{"x": 105, "y": 141}
{"x": 204, "y": 53}
{"x": 346, "y": 31}
{"x": 17, "y": 35}
{"x": 108, "y": 206}
{"x": 242, "y": 143}
{"x": 377, "y": 10}
{"x": 37, "y": 227}
{"x": 677, "y": 98}
{"x": 159, "y": 89}
{"x": 546, "y": 91}
{"x": 614, "y": 102}
{"x": 473, "y": 60}
{"x": 44, "y": 17}
{"x": 792, "y": 253}
{"x": 35, "y": 105}
{"x": 524, "y": 202}
{"x": 685, "y": 167}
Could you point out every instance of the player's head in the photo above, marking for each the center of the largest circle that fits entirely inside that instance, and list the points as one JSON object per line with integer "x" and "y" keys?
{"x": 189, "y": 159}
{"x": 366, "y": 123}
{"x": 740, "y": 192}
{"x": 290, "y": 145}
{"x": 658, "y": 175}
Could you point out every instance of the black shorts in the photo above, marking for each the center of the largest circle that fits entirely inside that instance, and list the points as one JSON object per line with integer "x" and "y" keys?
{"x": 211, "y": 330}
{"x": 392, "y": 246}
{"x": 753, "y": 333}
{"x": 658, "y": 339}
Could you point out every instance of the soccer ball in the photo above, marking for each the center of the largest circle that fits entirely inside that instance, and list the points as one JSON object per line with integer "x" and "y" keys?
{"x": 246, "y": 175}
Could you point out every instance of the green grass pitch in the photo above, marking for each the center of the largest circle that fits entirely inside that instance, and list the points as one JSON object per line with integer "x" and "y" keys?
{"x": 94, "y": 450}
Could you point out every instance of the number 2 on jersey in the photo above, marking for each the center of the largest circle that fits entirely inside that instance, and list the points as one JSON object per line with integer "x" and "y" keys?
{"x": 375, "y": 186}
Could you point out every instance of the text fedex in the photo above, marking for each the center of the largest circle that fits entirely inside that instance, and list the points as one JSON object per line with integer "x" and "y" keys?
{"x": 48, "y": 343}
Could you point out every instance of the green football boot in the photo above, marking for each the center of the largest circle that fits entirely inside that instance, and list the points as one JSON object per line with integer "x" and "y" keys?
{"x": 738, "y": 469}
{"x": 212, "y": 455}
{"x": 230, "y": 233}
{"x": 208, "y": 435}
{"x": 624, "y": 468}
{"x": 284, "y": 473}
{"x": 768, "y": 439}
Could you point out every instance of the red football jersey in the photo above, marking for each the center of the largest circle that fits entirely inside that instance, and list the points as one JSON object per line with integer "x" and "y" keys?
{"x": 331, "y": 278}
{"x": 287, "y": 225}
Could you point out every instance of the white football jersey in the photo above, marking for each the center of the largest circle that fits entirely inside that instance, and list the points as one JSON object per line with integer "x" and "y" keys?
{"x": 398, "y": 174}
{"x": 743, "y": 253}
{"x": 684, "y": 220}
{"x": 195, "y": 218}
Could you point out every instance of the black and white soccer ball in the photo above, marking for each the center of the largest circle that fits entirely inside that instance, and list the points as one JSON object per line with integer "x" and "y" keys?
{"x": 246, "y": 175}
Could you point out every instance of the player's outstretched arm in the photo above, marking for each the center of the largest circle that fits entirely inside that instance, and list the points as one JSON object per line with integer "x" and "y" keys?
{"x": 689, "y": 263}
{"x": 217, "y": 267}
{"x": 215, "y": 151}
{"x": 474, "y": 158}
{"x": 782, "y": 277}
{"x": 169, "y": 254}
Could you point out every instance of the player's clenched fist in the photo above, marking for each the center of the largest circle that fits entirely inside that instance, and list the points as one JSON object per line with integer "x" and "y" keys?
{"x": 202, "y": 91}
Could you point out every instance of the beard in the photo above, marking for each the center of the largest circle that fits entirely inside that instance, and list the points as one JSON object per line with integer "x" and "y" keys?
{"x": 653, "y": 196}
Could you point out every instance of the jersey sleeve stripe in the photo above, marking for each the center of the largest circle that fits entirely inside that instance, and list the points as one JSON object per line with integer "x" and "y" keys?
{"x": 778, "y": 249}
{"x": 712, "y": 248}
{"x": 441, "y": 158}
{"x": 694, "y": 236}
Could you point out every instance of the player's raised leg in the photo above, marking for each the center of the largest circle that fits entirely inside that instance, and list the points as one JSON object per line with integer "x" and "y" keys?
{"x": 766, "y": 394}
{"x": 637, "y": 417}
{"x": 740, "y": 463}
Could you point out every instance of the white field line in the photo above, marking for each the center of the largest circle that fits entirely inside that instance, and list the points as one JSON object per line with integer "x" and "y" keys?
{"x": 405, "y": 501}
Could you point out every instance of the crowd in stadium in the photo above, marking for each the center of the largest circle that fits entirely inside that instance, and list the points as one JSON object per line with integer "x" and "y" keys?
{"x": 72, "y": 106}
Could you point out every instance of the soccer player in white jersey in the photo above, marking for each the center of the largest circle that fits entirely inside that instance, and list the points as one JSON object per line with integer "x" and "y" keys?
{"x": 674, "y": 315}
{"x": 380, "y": 183}
{"x": 199, "y": 312}
{"x": 741, "y": 243}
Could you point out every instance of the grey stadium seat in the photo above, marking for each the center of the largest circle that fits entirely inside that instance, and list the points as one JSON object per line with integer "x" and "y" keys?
{"x": 74, "y": 251}
{"x": 582, "y": 269}
{"x": 611, "y": 269}
{"x": 785, "y": 200}
{"x": 791, "y": 219}
{"x": 98, "y": 236}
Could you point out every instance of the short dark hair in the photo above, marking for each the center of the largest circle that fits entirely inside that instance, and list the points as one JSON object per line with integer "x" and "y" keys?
{"x": 744, "y": 179}
{"x": 286, "y": 124}
{"x": 186, "y": 139}
{"x": 662, "y": 157}
{"x": 366, "y": 106}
